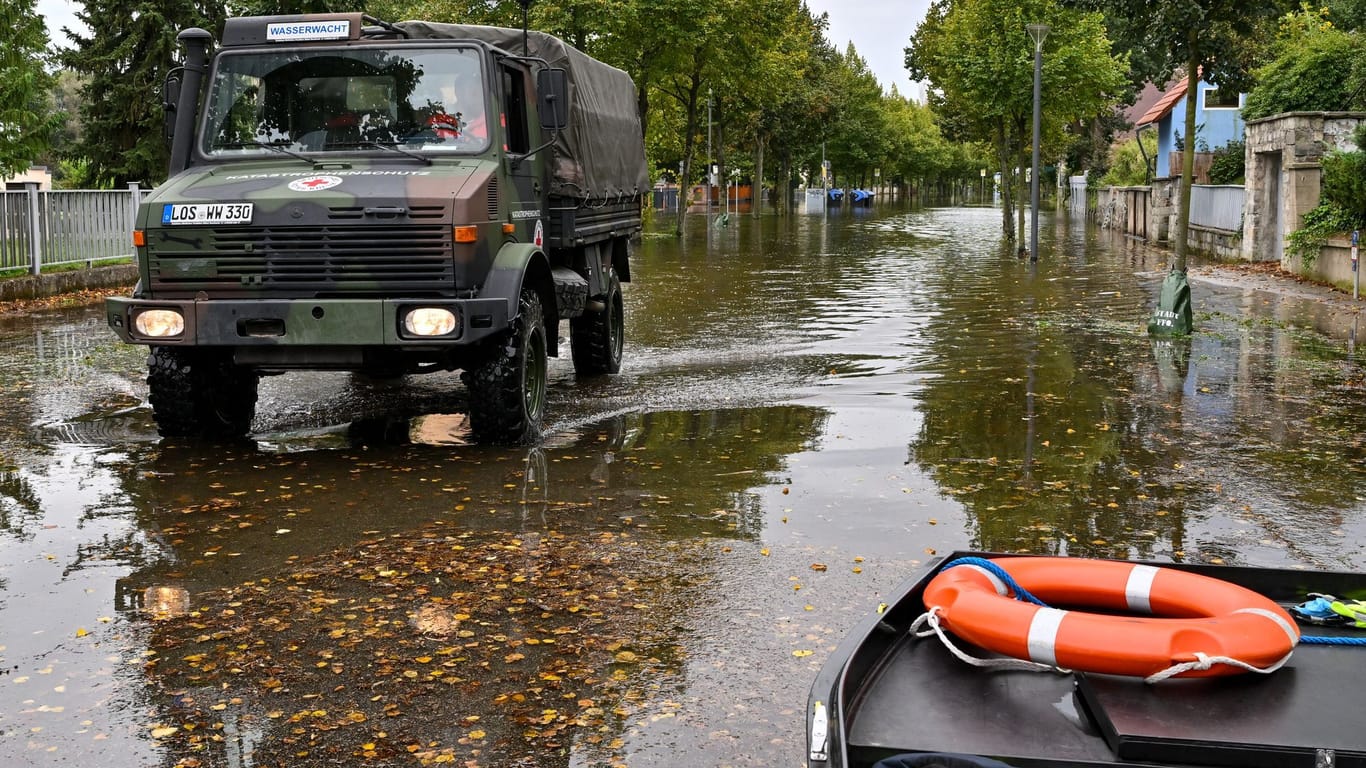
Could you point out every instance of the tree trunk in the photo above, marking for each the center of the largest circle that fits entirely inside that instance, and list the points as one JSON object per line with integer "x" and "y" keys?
{"x": 1183, "y": 205}
{"x": 756, "y": 186}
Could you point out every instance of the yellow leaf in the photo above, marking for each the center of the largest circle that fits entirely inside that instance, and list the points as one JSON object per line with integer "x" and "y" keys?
{"x": 625, "y": 657}
{"x": 764, "y": 551}
{"x": 802, "y": 653}
{"x": 162, "y": 731}
{"x": 818, "y": 566}
{"x": 80, "y": 632}
{"x": 477, "y": 734}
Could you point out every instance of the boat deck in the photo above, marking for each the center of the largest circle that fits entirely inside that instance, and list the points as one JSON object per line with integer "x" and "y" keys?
{"x": 891, "y": 693}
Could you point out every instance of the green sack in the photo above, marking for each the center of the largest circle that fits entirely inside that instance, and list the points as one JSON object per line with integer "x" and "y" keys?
{"x": 1173, "y": 314}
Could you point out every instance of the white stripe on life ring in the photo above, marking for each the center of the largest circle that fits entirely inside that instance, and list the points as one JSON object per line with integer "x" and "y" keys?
{"x": 996, "y": 583}
{"x": 1043, "y": 635}
{"x": 1139, "y": 588}
{"x": 1289, "y": 629}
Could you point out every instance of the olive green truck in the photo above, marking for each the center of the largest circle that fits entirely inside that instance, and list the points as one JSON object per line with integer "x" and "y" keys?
{"x": 354, "y": 195}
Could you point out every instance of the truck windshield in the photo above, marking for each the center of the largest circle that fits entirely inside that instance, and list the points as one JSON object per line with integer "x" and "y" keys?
{"x": 346, "y": 100}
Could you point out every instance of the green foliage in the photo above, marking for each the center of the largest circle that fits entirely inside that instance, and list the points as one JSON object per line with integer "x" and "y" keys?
{"x": 1128, "y": 168}
{"x": 780, "y": 91}
{"x": 1344, "y": 182}
{"x": 1315, "y": 69}
{"x": 978, "y": 57}
{"x": 1342, "y": 202}
{"x": 1320, "y": 223}
{"x": 27, "y": 123}
{"x": 131, "y": 47}
{"x": 1229, "y": 163}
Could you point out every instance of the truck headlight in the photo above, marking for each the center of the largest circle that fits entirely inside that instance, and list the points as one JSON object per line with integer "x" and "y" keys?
{"x": 159, "y": 323}
{"x": 429, "y": 321}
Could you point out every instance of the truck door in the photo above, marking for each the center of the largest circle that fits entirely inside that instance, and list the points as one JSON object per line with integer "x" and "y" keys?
{"x": 526, "y": 177}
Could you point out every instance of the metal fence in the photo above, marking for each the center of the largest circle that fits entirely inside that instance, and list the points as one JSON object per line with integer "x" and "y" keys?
{"x": 49, "y": 228}
{"x": 1217, "y": 207}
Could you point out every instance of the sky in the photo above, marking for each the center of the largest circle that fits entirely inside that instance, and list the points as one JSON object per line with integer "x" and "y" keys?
{"x": 58, "y": 14}
{"x": 879, "y": 30}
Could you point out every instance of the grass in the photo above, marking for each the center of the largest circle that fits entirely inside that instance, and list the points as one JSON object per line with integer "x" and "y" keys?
{"x": 51, "y": 269}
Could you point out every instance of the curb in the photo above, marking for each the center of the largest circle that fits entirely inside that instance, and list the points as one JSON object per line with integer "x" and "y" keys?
{"x": 57, "y": 283}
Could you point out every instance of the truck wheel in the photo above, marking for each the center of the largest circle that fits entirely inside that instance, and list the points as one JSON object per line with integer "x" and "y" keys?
{"x": 507, "y": 391}
{"x": 197, "y": 393}
{"x": 596, "y": 338}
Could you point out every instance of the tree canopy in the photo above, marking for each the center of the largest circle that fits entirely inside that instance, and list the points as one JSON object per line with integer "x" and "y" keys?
{"x": 27, "y": 123}
{"x": 979, "y": 59}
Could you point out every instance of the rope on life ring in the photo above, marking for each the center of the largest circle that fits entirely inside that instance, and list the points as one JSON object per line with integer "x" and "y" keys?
{"x": 1196, "y": 626}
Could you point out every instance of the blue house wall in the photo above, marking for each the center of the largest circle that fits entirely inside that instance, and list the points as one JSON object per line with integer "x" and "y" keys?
{"x": 1215, "y": 126}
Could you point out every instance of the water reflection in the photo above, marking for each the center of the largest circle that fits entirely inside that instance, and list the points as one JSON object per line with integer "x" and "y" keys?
{"x": 853, "y": 392}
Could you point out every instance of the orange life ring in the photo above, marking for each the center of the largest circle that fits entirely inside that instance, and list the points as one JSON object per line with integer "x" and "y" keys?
{"x": 1190, "y": 614}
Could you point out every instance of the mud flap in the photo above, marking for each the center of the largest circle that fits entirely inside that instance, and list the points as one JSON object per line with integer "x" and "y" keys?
{"x": 1173, "y": 314}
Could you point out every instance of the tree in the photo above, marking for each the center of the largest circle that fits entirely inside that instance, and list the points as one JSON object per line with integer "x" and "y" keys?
{"x": 131, "y": 47}
{"x": 1212, "y": 40}
{"x": 858, "y": 140}
{"x": 1317, "y": 67}
{"x": 979, "y": 58}
{"x": 27, "y": 124}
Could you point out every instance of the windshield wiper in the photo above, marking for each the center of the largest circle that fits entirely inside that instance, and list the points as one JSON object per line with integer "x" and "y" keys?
{"x": 380, "y": 145}
{"x": 263, "y": 145}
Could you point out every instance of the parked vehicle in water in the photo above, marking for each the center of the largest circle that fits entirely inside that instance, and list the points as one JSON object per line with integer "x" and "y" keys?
{"x": 350, "y": 194}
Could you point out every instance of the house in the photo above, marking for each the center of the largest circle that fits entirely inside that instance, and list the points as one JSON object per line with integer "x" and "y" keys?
{"x": 1217, "y": 122}
{"x": 38, "y": 174}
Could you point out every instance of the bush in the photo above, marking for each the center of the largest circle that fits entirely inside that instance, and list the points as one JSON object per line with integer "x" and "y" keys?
{"x": 1312, "y": 72}
{"x": 1321, "y": 223}
{"x": 1127, "y": 165}
{"x": 1229, "y": 164}
{"x": 1344, "y": 180}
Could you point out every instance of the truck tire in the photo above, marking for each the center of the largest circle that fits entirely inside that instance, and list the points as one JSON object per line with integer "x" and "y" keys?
{"x": 596, "y": 338}
{"x": 198, "y": 393}
{"x": 507, "y": 391}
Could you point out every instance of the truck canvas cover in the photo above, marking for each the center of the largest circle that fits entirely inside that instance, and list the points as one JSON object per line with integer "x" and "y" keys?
{"x": 601, "y": 154}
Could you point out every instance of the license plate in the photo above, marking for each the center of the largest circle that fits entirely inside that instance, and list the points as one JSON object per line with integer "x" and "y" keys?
{"x": 206, "y": 213}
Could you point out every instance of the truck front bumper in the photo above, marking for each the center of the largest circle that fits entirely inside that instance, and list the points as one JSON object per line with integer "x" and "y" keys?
{"x": 306, "y": 322}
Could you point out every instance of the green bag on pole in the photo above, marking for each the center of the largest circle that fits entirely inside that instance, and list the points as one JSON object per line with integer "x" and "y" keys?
{"x": 1173, "y": 314}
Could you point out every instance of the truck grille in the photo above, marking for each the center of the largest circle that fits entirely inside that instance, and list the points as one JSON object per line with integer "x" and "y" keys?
{"x": 311, "y": 262}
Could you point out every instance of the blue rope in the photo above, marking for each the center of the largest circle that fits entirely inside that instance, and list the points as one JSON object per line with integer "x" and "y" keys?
{"x": 1020, "y": 592}
{"x": 1323, "y": 640}
{"x": 1023, "y": 594}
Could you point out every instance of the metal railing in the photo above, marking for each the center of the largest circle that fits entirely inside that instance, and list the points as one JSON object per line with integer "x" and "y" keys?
{"x": 50, "y": 228}
{"x": 1217, "y": 207}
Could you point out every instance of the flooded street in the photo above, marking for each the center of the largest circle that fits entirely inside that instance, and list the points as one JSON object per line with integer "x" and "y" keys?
{"x": 808, "y": 409}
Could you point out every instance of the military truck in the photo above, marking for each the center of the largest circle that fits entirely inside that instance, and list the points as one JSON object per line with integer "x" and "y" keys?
{"x": 385, "y": 198}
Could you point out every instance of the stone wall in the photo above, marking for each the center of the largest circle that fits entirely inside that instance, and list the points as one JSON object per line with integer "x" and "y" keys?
{"x": 1283, "y": 175}
{"x": 1220, "y": 243}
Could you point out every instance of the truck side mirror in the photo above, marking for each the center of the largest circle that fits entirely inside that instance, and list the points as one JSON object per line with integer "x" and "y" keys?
{"x": 170, "y": 96}
{"x": 553, "y": 88}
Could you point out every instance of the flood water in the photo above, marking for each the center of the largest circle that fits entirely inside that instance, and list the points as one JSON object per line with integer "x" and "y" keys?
{"x": 809, "y": 409}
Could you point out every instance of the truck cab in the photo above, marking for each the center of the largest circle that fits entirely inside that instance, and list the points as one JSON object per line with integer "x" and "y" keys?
{"x": 347, "y": 194}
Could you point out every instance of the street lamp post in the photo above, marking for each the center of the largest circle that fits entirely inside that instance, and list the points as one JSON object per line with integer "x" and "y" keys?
{"x": 1037, "y": 33}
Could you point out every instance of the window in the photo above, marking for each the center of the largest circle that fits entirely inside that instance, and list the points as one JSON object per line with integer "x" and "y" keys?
{"x": 515, "y": 98}
{"x": 358, "y": 99}
{"x": 1221, "y": 98}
